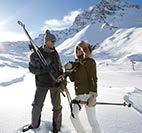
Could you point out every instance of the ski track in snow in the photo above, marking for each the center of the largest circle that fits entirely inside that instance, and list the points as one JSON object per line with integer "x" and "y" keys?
{"x": 112, "y": 119}
{"x": 45, "y": 127}
{"x": 16, "y": 80}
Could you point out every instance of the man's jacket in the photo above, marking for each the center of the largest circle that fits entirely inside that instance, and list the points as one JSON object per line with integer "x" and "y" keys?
{"x": 42, "y": 76}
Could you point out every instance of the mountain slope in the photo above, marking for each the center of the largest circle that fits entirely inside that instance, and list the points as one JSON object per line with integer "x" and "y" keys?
{"x": 105, "y": 13}
{"x": 123, "y": 42}
{"x": 94, "y": 25}
{"x": 117, "y": 43}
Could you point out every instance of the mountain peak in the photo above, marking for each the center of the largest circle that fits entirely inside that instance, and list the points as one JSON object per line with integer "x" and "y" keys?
{"x": 103, "y": 12}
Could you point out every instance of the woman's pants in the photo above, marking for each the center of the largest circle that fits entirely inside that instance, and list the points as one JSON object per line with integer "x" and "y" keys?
{"x": 91, "y": 115}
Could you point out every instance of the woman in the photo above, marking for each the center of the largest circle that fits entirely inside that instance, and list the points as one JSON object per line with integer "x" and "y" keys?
{"x": 83, "y": 74}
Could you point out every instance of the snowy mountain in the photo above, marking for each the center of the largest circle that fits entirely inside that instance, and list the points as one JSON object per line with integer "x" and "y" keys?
{"x": 114, "y": 26}
{"x": 94, "y": 25}
{"x": 116, "y": 30}
{"x": 103, "y": 13}
{"x": 123, "y": 42}
{"x": 14, "y": 54}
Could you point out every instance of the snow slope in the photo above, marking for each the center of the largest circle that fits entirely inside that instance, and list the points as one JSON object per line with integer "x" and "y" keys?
{"x": 113, "y": 84}
{"x": 123, "y": 44}
{"x": 117, "y": 81}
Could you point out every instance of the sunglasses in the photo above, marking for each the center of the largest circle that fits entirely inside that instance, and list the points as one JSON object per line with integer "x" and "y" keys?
{"x": 53, "y": 41}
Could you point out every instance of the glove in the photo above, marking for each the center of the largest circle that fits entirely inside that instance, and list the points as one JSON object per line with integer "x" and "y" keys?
{"x": 91, "y": 102}
{"x": 63, "y": 85}
{"x": 68, "y": 67}
{"x": 35, "y": 61}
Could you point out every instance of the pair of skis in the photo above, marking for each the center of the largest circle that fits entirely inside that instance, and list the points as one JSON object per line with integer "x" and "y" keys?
{"x": 37, "y": 51}
{"x": 43, "y": 61}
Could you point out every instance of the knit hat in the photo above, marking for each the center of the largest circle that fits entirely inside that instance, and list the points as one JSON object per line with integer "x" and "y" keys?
{"x": 49, "y": 36}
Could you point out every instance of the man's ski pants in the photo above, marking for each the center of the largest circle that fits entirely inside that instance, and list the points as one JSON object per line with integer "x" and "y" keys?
{"x": 91, "y": 115}
{"x": 39, "y": 99}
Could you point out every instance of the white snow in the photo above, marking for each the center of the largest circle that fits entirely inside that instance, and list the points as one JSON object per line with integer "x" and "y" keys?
{"x": 117, "y": 81}
{"x": 113, "y": 84}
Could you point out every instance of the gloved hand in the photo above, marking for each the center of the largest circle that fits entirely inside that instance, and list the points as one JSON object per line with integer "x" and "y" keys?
{"x": 91, "y": 102}
{"x": 63, "y": 85}
{"x": 68, "y": 67}
{"x": 35, "y": 61}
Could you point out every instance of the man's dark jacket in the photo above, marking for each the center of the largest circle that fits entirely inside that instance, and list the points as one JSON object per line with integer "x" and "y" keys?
{"x": 42, "y": 76}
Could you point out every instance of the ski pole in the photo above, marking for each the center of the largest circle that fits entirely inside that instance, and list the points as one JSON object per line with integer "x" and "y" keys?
{"x": 68, "y": 97}
{"x": 119, "y": 104}
{"x": 70, "y": 102}
{"x": 107, "y": 103}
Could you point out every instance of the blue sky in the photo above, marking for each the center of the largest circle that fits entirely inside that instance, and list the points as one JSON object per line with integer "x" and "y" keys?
{"x": 38, "y": 15}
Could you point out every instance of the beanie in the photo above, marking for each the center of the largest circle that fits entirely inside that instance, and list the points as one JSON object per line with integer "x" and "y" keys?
{"x": 49, "y": 36}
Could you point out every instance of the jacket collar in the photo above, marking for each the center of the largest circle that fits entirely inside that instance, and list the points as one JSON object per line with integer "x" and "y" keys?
{"x": 48, "y": 50}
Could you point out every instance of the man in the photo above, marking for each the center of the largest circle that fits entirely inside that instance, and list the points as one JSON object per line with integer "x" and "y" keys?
{"x": 45, "y": 82}
{"x": 84, "y": 75}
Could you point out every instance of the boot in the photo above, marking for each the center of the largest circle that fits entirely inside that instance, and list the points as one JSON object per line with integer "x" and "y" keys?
{"x": 26, "y": 128}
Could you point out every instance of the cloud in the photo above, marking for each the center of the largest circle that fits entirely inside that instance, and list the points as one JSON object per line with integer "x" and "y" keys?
{"x": 12, "y": 36}
{"x": 5, "y": 22}
{"x": 2, "y": 24}
{"x": 66, "y": 22}
{"x": 8, "y": 34}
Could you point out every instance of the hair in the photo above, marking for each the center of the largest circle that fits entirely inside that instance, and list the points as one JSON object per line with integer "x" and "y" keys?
{"x": 85, "y": 47}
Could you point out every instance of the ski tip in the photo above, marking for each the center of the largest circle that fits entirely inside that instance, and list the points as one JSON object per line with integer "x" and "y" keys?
{"x": 20, "y": 23}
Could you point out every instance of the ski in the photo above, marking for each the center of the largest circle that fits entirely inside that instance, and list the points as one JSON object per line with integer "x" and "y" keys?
{"x": 34, "y": 47}
{"x": 70, "y": 102}
{"x": 43, "y": 61}
{"x": 37, "y": 51}
{"x": 26, "y": 128}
